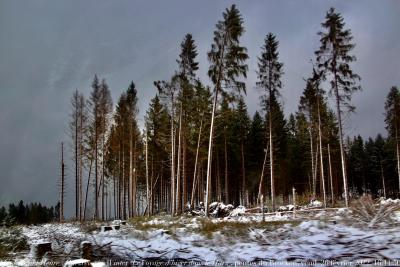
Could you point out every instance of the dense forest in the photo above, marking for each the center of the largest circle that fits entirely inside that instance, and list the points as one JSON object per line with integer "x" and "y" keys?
{"x": 198, "y": 144}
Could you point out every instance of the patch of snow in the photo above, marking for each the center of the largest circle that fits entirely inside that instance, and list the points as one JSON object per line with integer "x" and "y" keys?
{"x": 389, "y": 201}
{"x": 315, "y": 204}
{"x": 239, "y": 211}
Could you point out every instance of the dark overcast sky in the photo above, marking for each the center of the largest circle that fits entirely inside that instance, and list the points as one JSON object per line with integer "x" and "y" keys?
{"x": 49, "y": 48}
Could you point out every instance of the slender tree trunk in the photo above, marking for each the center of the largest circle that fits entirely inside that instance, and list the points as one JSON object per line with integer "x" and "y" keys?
{"x": 178, "y": 168}
{"x": 102, "y": 178}
{"x": 330, "y": 174}
{"x": 271, "y": 154}
{"x": 62, "y": 184}
{"x": 172, "y": 198}
{"x": 226, "y": 170}
{"x": 314, "y": 183}
{"x": 87, "y": 185}
{"x": 130, "y": 171}
{"x": 383, "y": 181}
{"x": 260, "y": 186}
{"x": 243, "y": 176}
{"x": 184, "y": 180}
{"x": 342, "y": 156}
{"x": 115, "y": 194}
{"x": 151, "y": 207}
{"x": 316, "y": 165}
{"x": 218, "y": 182}
{"x": 123, "y": 184}
{"x": 210, "y": 144}
{"x": 134, "y": 191}
{"x": 96, "y": 171}
{"x": 120, "y": 181}
{"x": 397, "y": 150}
{"x": 321, "y": 157}
{"x": 76, "y": 158}
{"x": 195, "y": 165}
{"x": 147, "y": 174}
{"x": 81, "y": 161}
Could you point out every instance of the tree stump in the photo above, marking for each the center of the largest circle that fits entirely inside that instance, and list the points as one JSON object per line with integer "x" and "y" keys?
{"x": 87, "y": 250}
{"x": 38, "y": 250}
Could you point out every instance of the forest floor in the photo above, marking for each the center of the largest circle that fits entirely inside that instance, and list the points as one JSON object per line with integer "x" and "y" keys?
{"x": 314, "y": 237}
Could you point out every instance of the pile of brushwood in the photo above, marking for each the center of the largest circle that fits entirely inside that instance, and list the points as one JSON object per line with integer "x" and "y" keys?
{"x": 217, "y": 210}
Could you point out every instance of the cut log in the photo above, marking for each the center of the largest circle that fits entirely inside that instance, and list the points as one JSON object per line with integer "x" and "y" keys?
{"x": 87, "y": 250}
{"x": 38, "y": 250}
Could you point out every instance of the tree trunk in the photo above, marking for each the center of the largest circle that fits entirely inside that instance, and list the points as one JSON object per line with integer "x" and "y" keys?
{"x": 226, "y": 170}
{"x": 102, "y": 178}
{"x": 81, "y": 161}
{"x": 210, "y": 143}
{"x": 243, "y": 176}
{"x": 130, "y": 171}
{"x": 321, "y": 158}
{"x": 62, "y": 184}
{"x": 147, "y": 174}
{"x": 172, "y": 197}
{"x": 260, "y": 186}
{"x": 195, "y": 164}
{"x": 123, "y": 184}
{"x": 178, "y": 168}
{"x": 342, "y": 156}
{"x": 184, "y": 180}
{"x": 95, "y": 175}
{"x": 383, "y": 181}
{"x": 314, "y": 183}
{"x": 134, "y": 189}
{"x": 76, "y": 157}
{"x": 271, "y": 154}
{"x": 87, "y": 185}
{"x": 330, "y": 174}
{"x": 397, "y": 150}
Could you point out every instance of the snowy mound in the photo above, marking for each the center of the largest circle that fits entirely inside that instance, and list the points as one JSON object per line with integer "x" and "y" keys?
{"x": 239, "y": 211}
{"x": 315, "y": 204}
{"x": 389, "y": 201}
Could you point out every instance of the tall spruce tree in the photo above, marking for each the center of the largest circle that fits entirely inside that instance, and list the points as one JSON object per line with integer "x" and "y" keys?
{"x": 227, "y": 59}
{"x": 241, "y": 129}
{"x": 187, "y": 74}
{"x": 334, "y": 60}
{"x": 269, "y": 75}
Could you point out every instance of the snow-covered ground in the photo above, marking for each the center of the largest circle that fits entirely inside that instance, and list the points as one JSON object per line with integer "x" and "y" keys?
{"x": 326, "y": 236}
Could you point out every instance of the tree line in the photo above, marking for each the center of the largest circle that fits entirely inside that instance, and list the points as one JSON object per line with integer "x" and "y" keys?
{"x": 32, "y": 213}
{"x": 197, "y": 143}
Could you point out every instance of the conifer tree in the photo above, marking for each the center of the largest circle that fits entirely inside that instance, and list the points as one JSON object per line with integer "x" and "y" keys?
{"x": 227, "y": 59}
{"x": 241, "y": 129}
{"x": 187, "y": 74}
{"x": 334, "y": 60}
{"x": 269, "y": 75}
